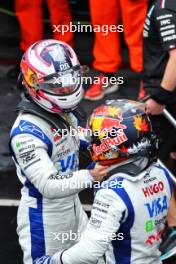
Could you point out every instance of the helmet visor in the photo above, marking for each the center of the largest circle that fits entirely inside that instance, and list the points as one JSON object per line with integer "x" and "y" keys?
{"x": 61, "y": 83}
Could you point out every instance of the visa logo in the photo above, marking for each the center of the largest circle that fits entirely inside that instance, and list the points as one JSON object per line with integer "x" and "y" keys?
{"x": 68, "y": 163}
{"x": 157, "y": 206}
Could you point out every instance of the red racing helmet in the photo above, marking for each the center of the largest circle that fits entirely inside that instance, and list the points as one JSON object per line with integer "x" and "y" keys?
{"x": 51, "y": 75}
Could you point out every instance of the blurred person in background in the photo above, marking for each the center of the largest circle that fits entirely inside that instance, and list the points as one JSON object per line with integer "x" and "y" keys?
{"x": 106, "y": 51}
{"x": 30, "y": 16}
{"x": 159, "y": 38}
{"x": 47, "y": 160}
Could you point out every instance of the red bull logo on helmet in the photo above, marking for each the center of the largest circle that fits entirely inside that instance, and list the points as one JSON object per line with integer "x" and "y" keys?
{"x": 110, "y": 123}
{"x": 108, "y": 143}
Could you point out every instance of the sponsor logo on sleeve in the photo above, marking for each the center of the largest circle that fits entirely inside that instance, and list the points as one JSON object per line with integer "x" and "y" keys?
{"x": 27, "y": 156}
{"x": 100, "y": 209}
{"x": 100, "y": 203}
{"x": 32, "y": 163}
{"x": 60, "y": 177}
{"x": 28, "y": 148}
{"x": 29, "y": 127}
{"x": 69, "y": 163}
{"x": 95, "y": 222}
{"x": 20, "y": 144}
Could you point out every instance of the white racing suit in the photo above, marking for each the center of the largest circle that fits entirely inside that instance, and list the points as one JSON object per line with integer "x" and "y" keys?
{"x": 47, "y": 166}
{"x": 127, "y": 220}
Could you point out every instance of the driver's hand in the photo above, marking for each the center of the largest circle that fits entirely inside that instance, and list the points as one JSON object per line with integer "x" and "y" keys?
{"x": 99, "y": 172}
{"x": 153, "y": 108}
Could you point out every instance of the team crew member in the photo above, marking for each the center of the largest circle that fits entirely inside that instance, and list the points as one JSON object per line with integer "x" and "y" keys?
{"x": 46, "y": 159}
{"x": 159, "y": 39}
{"x": 106, "y": 51}
{"x": 130, "y": 207}
{"x": 29, "y": 14}
{"x": 159, "y": 77}
{"x": 30, "y": 18}
{"x": 159, "y": 63}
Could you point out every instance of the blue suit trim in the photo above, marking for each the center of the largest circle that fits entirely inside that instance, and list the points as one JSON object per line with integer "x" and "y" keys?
{"x": 37, "y": 230}
{"x": 35, "y": 214}
{"x": 168, "y": 177}
{"x": 43, "y": 260}
{"x": 26, "y": 127}
{"x": 83, "y": 145}
{"x": 122, "y": 248}
{"x": 36, "y": 223}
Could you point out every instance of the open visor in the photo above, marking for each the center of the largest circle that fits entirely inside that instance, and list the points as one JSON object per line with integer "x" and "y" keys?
{"x": 61, "y": 83}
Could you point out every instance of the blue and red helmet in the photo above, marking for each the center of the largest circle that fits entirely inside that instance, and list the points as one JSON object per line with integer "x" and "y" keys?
{"x": 121, "y": 131}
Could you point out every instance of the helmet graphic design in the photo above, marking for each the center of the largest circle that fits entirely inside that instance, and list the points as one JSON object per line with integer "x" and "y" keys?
{"x": 51, "y": 75}
{"x": 121, "y": 130}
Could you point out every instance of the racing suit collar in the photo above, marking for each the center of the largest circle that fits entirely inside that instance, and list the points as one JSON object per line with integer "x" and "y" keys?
{"x": 133, "y": 170}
